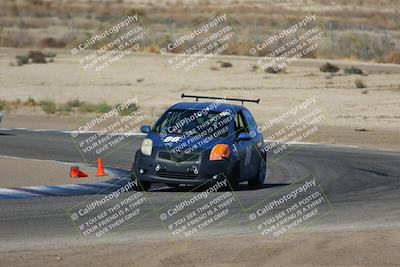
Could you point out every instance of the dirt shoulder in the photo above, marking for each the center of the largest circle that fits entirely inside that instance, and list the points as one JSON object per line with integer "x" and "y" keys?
{"x": 355, "y": 248}
{"x": 18, "y": 172}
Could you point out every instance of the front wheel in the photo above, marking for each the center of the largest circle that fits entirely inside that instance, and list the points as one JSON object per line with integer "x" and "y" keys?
{"x": 258, "y": 179}
{"x": 176, "y": 186}
{"x": 138, "y": 185}
{"x": 234, "y": 178}
{"x": 142, "y": 186}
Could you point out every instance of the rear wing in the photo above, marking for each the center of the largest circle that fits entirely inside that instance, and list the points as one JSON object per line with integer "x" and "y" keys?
{"x": 224, "y": 98}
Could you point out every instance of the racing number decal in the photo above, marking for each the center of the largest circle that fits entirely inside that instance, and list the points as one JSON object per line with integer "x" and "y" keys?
{"x": 172, "y": 139}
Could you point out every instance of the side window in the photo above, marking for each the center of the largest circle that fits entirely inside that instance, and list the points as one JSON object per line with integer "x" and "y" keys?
{"x": 240, "y": 124}
{"x": 251, "y": 123}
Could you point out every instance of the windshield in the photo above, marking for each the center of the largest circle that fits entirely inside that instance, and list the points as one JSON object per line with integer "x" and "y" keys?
{"x": 194, "y": 122}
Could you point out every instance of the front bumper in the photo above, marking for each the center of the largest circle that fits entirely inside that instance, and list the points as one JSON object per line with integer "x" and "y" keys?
{"x": 158, "y": 170}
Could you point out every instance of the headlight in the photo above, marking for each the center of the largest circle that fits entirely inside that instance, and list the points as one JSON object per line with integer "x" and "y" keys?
{"x": 147, "y": 147}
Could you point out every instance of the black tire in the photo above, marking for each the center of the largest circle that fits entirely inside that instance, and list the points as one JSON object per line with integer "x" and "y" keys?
{"x": 142, "y": 186}
{"x": 234, "y": 178}
{"x": 138, "y": 185}
{"x": 258, "y": 179}
{"x": 173, "y": 185}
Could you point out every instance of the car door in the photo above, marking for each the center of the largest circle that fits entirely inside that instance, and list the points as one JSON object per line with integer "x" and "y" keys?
{"x": 243, "y": 147}
{"x": 256, "y": 137}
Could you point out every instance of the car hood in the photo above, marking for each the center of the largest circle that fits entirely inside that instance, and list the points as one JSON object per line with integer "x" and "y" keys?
{"x": 190, "y": 144}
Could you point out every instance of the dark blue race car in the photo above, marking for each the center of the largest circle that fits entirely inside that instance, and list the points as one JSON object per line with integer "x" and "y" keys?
{"x": 198, "y": 142}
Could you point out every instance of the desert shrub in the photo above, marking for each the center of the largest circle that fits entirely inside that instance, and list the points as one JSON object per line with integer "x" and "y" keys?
{"x": 127, "y": 111}
{"x": 328, "y": 67}
{"x": 50, "y": 54}
{"x": 64, "y": 108}
{"x": 254, "y": 67}
{"x": 87, "y": 108}
{"x": 275, "y": 70}
{"x": 30, "y": 102}
{"x": 37, "y": 57}
{"x": 48, "y": 106}
{"x": 353, "y": 70}
{"x": 354, "y": 30}
{"x": 70, "y": 106}
{"x": 226, "y": 64}
{"x": 21, "y": 60}
{"x": 360, "y": 84}
{"x": 364, "y": 46}
{"x": 103, "y": 107}
{"x": 2, "y": 105}
{"x": 94, "y": 108}
{"x": 312, "y": 54}
{"x": 34, "y": 57}
{"x": 75, "y": 103}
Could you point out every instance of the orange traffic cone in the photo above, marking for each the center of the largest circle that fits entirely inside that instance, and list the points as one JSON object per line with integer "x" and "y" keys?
{"x": 82, "y": 174}
{"x": 100, "y": 169}
{"x": 76, "y": 173}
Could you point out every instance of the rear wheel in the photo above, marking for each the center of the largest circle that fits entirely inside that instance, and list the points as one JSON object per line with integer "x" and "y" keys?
{"x": 258, "y": 179}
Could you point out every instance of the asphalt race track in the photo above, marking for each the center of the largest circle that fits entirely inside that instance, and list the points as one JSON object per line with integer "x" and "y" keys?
{"x": 362, "y": 186}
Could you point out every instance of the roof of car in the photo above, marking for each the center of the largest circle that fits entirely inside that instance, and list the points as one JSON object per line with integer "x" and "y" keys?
{"x": 203, "y": 105}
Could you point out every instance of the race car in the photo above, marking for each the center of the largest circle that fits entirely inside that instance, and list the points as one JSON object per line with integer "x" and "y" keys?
{"x": 194, "y": 143}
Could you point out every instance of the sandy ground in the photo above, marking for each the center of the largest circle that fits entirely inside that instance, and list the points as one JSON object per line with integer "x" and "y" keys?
{"x": 345, "y": 248}
{"x": 16, "y": 172}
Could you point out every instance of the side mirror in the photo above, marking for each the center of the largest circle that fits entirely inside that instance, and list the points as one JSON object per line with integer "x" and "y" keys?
{"x": 244, "y": 137}
{"x": 145, "y": 129}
